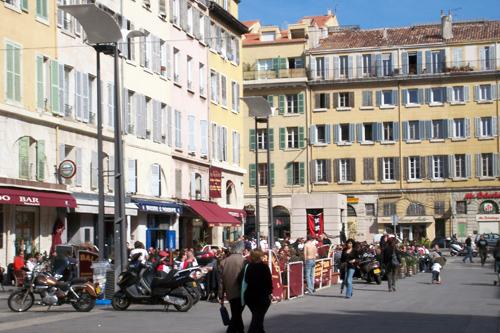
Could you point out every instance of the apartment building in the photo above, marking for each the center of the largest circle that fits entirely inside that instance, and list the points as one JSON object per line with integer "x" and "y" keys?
{"x": 274, "y": 66}
{"x": 410, "y": 117}
{"x": 403, "y": 121}
{"x": 226, "y": 119}
{"x": 31, "y": 197}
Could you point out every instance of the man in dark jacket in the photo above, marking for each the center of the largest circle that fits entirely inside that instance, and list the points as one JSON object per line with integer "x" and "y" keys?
{"x": 482, "y": 247}
{"x": 230, "y": 286}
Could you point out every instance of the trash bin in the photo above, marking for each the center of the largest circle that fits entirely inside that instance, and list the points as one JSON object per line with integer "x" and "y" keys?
{"x": 100, "y": 268}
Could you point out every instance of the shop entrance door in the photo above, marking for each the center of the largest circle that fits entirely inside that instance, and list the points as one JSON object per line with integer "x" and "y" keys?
{"x": 25, "y": 231}
{"x": 440, "y": 228}
{"x": 406, "y": 232}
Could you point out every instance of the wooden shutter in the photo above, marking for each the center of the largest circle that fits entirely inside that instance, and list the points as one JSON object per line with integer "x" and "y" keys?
{"x": 335, "y": 100}
{"x": 252, "y": 139}
{"x": 328, "y": 169}
{"x": 24, "y": 163}
{"x": 40, "y": 160}
{"x": 94, "y": 171}
{"x": 380, "y": 168}
{"x": 302, "y": 172}
{"x": 54, "y": 84}
{"x": 178, "y": 183}
{"x": 406, "y": 168}
{"x": 352, "y": 167}
{"x": 252, "y": 174}
{"x": 282, "y": 131}
{"x": 302, "y": 142}
{"x": 336, "y": 166}
{"x": 282, "y": 104}
{"x": 301, "y": 98}
{"x": 40, "y": 86}
{"x": 270, "y": 135}
{"x": 368, "y": 173}
{"x": 397, "y": 171}
{"x": 351, "y": 98}
{"x": 272, "y": 174}
{"x": 404, "y": 63}
{"x": 423, "y": 173}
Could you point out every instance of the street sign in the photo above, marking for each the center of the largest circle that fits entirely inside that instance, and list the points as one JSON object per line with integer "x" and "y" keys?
{"x": 395, "y": 220}
{"x": 67, "y": 169}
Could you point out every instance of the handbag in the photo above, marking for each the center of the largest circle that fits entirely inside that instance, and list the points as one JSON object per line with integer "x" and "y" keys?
{"x": 394, "y": 260}
{"x": 224, "y": 315}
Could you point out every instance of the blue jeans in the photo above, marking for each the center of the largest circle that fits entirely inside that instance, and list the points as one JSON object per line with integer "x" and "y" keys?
{"x": 469, "y": 253}
{"x": 310, "y": 274}
{"x": 348, "y": 282}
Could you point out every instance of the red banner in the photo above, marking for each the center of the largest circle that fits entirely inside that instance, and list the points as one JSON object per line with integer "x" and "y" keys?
{"x": 215, "y": 183}
{"x": 276, "y": 275}
{"x": 315, "y": 224}
{"x": 295, "y": 279}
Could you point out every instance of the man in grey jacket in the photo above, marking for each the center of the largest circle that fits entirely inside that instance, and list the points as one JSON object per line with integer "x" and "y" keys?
{"x": 230, "y": 287}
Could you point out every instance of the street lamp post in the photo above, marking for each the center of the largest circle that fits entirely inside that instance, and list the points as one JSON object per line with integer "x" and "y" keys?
{"x": 104, "y": 33}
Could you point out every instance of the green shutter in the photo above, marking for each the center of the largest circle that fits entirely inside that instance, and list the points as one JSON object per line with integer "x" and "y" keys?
{"x": 301, "y": 173}
{"x": 40, "y": 100}
{"x": 282, "y": 104}
{"x": 270, "y": 100}
{"x": 289, "y": 174}
{"x": 24, "y": 144}
{"x": 462, "y": 229}
{"x": 40, "y": 160}
{"x": 45, "y": 9}
{"x": 16, "y": 54}
{"x": 10, "y": 71}
{"x": 271, "y": 138}
{"x": 301, "y": 102}
{"x": 302, "y": 142}
{"x": 282, "y": 63}
{"x": 54, "y": 81}
{"x": 39, "y": 8}
{"x": 282, "y": 138}
{"x": 251, "y": 139}
{"x": 24, "y": 5}
{"x": 276, "y": 62}
{"x": 252, "y": 172}
{"x": 272, "y": 174}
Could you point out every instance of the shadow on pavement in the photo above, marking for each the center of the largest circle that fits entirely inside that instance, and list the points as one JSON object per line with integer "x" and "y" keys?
{"x": 375, "y": 322}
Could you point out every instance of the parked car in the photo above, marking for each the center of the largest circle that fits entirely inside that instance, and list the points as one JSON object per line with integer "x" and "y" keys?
{"x": 491, "y": 238}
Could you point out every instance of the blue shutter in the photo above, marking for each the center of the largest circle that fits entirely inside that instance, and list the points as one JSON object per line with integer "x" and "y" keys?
{"x": 494, "y": 126}
{"x": 378, "y": 64}
{"x": 467, "y": 127}
{"x": 378, "y": 99}
{"x": 395, "y": 97}
{"x": 478, "y": 165}
{"x": 313, "y": 135}
{"x": 404, "y": 63}
{"x": 420, "y": 96}
{"x": 427, "y": 95}
{"x": 449, "y": 94}
{"x": 395, "y": 126}
{"x": 406, "y": 131}
{"x": 476, "y": 93}
{"x": 350, "y": 67}
{"x": 328, "y": 134}
{"x": 351, "y": 133}
{"x": 359, "y": 132}
{"x": 442, "y": 61}
{"x": 495, "y": 165}
{"x": 428, "y": 62}
{"x": 477, "y": 126}
{"x": 428, "y": 129}
{"x": 493, "y": 92}
{"x": 404, "y": 92}
{"x": 336, "y": 133}
{"x": 444, "y": 129}
{"x": 468, "y": 166}
{"x": 421, "y": 130}
{"x": 379, "y": 131}
{"x": 419, "y": 62}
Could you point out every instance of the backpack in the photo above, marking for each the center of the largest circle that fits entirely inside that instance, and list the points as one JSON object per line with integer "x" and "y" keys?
{"x": 394, "y": 260}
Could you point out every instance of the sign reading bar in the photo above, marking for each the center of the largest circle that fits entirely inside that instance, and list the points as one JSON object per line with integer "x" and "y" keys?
{"x": 215, "y": 183}
{"x": 482, "y": 195}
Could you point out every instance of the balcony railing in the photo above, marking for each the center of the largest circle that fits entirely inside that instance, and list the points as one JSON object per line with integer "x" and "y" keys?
{"x": 275, "y": 74}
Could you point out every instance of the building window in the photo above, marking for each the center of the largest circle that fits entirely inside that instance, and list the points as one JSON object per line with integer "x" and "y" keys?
{"x": 439, "y": 208}
{"x": 437, "y": 95}
{"x": 367, "y": 64}
{"x": 437, "y": 61}
{"x": 292, "y": 102}
{"x": 262, "y": 139}
{"x": 202, "y": 79}
{"x": 223, "y": 86}
{"x": 344, "y": 66}
{"x": 460, "y": 166}
{"x": 459, "y": 131}
{"x": 268, "y": 36}
{"x": 292, "y": 134}
{"x": 388, "y": 131}
{"x": 484, "y": 93}
{"x": 177, "y": 73}
{"x": 322, "y": 170}
{"x": 344, "y": 100}
{"x": 367, "y": 97}
{"x": 344, "y": 133}
{"x": 388, "y": 169}
{"x": 346, "y": 169}
{"x": 412, "y": 95}
{"x": 387, "y": 98}
{"x": 322, "y": 134}
{"x": 320, "y": 67}
{"x": 41, "y": 9}
{"x": 438, "y": 130}
{"x": 487, "y": 57}
{"x": 414, "y": 130}
{"x": 487, "y": 165}
{"x": 176, "y": 14}
{"x": 414, "y": 168}
{"x": 370, "y": 209}
{"x": 485, "y": 127}
{"x": 190, "y": 73}
{"x": 386, "y": 64}
{"x": 458, "y": 94}
{"x": 214, "y": 87}
{"x": 262, "y": 174}
{"x": 389, "y": 209}
{"x": 438, "y": 167}
{"x": 295, "y": 173}
{"x": 322, "y": 101}
{"x": 461, "y": 207}
{"x": 415, "y": 209}
{"x": 368, "y": 132}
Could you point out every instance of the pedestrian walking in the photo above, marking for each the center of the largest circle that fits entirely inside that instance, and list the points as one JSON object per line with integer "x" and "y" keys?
{"x": 348, "y": 259}
{"x": 436, "y": 270}
{"x": 392, "y": 261}
{"x": 310, "y": 254}
{"x": 230, "y": 286}
{"x": 468, "y": 248}
{"x": 258, "y": 294}
{"x": 482, "y": 246}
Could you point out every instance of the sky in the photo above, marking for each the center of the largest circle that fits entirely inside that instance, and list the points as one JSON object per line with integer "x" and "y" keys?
{"x": 368, "y": 13}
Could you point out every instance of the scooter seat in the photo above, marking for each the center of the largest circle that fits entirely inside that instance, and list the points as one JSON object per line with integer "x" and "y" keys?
{"x": 162, "y": 280}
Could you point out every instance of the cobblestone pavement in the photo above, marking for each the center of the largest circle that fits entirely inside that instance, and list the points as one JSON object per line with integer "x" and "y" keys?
{"x": 467, "y": 301}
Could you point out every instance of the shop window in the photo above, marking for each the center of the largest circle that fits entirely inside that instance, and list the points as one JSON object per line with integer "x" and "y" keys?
{"x": 370, "y": 209}
{"x": 439, "y": 208}
{"x": 389, "y": 209}
{"x": 415, "y": 209}
{"x": 230, "y": 193}
{"x": 351, "y": 212}
{"x": 461, "y": 207}
{"x": 488, "y": 207}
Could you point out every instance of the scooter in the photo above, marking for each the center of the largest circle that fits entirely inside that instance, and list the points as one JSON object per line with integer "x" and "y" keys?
{"x": 141, "y": 284}
{"x": 368, "y": 269}
{"x": 458, "y": 249}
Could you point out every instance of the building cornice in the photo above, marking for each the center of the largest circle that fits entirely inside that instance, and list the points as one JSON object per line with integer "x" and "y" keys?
{"x": 224, "y": 16}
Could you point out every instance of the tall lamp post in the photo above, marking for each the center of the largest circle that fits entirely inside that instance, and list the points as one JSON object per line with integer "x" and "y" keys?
{"x": 260, "y": 110}
{"x": 103, "y": 34}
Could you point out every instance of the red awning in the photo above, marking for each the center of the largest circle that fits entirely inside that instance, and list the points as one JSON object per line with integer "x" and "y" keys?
{"x": 36, "y": 198}
{"x": 212, "y": 213}
{"x": 238, "y": 213}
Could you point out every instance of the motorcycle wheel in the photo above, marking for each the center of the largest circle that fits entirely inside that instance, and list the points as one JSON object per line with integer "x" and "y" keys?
{"x": 378, "y": 279}
{"x": 188, "y": 300}
{"x": 452, "y": 253}
{"x": 21, "y": 301}
{"x": 120, "y": 301}
{"x": 85, "y": 303}
{"x": 195, "y": 294}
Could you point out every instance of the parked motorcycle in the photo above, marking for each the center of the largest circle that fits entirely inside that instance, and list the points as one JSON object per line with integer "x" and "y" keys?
{"x": 458, "y": 249}
{"x": 79, "y": 293}
{"x": 368, "y": 268}
{"x": 141, "y": 284}
{"x": 195, "y": 284}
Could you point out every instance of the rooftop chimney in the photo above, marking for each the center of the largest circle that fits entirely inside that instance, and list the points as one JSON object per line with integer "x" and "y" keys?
{"x": 384, "y": 33}
{"x": 329, "y": 12}
{"x": 446, "y": 26}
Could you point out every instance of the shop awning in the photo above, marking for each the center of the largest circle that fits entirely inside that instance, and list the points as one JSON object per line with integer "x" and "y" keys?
{"x": 238, "y": 213}
{"x": 212, "y": 213}
{"x": 154, "y": 206}
{"x": 36, "y": 198}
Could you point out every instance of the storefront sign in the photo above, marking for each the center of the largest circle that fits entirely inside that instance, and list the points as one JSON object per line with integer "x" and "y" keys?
{"x": 159, "y": 207}
{"x": 488, "y": 207}
{"x": 322, "y": 273}
{"x": 488, "y": 218}
{"x": 482, "y": 195}
{"x": 36, "y": 198}
{"x": 85, "y": 260}
{"x": 406, "y": 219}
{"x": 215, "y": 183}
{"x": 352, "y": 200}
{"x": 315, "y": 224}
{"x": 67, "y": 169}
